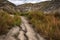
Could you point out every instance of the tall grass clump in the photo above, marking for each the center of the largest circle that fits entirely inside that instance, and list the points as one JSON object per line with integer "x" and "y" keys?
{"x": 48, "y": 25}
{"x": 7, "y": 22}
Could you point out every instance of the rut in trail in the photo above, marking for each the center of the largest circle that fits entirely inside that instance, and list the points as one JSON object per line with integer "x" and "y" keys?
{"x": 25, "y": 32}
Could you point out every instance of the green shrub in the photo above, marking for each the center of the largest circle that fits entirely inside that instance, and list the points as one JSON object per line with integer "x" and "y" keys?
{"x": 17, "y": 20}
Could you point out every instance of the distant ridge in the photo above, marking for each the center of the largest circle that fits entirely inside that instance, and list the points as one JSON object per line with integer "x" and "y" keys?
{"x": 8, "y": 7}
{"x": 46, "y": 6}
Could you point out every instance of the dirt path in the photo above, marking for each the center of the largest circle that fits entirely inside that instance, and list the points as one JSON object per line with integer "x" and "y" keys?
{"x": 31, "y": 34}
{"x": 25, "y": 32}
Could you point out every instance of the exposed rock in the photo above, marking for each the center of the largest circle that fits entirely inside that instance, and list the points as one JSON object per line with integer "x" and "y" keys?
{"x": 47, "y": 6}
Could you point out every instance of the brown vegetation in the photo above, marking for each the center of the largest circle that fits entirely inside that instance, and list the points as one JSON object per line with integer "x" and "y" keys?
{"x": 47, "y": 25}
{"x": 7, "y": 22}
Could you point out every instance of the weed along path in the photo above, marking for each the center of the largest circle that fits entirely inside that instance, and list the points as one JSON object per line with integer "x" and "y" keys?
{"x": 24, "y": 32}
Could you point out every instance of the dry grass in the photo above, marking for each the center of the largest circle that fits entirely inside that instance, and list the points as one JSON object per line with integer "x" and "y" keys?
{"x": 47, "y": 25}
{"x": 7, "y": 22}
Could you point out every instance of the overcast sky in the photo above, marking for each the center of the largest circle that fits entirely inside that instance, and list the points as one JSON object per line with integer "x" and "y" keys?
{"x": 18, "y": 2}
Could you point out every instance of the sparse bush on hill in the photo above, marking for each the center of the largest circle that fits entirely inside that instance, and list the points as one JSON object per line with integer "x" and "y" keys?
{"x": 7, "y": 22}
{"x": 46, "y": 24}
{"x": 57, "y": 14}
